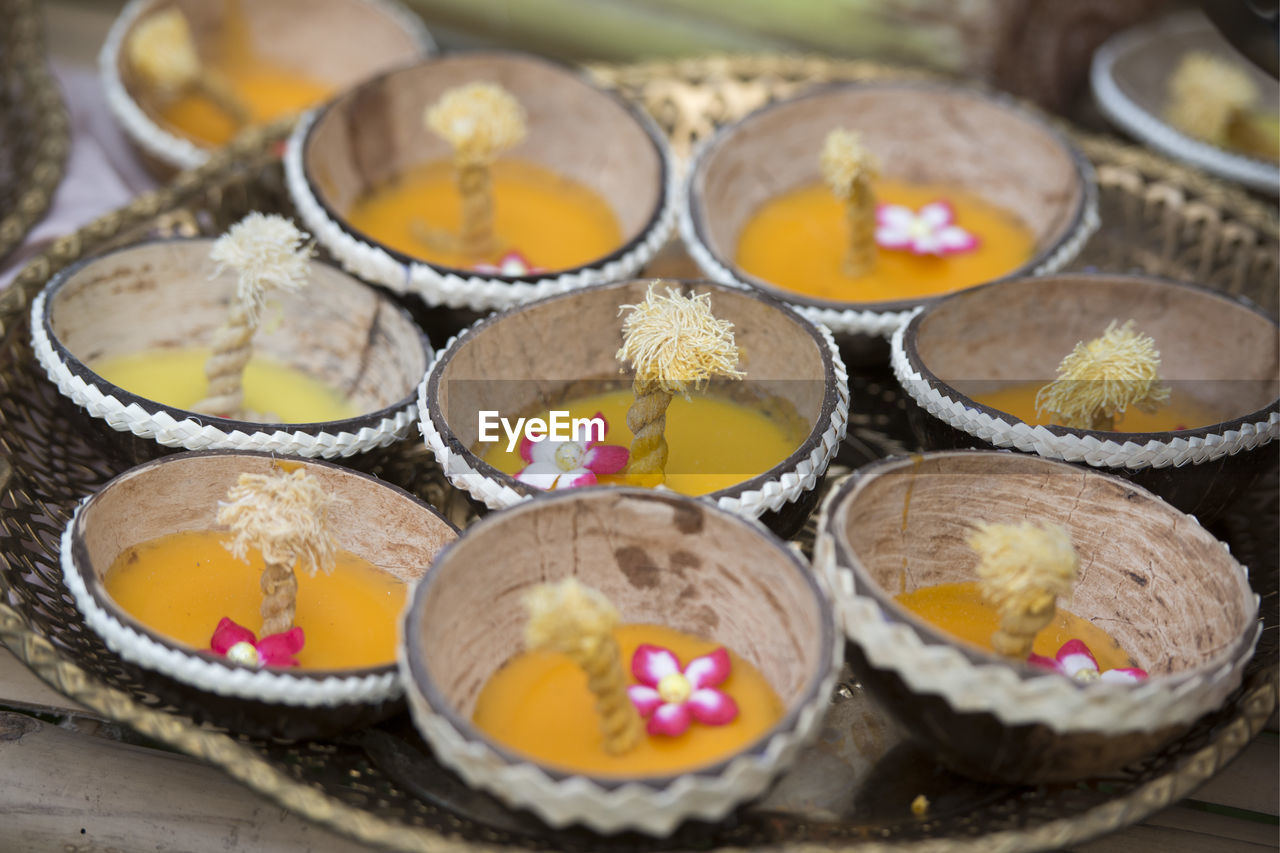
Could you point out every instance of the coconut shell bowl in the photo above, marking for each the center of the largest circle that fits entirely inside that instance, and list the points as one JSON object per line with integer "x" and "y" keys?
{"x": 1165, "y": 589}
{"x": 920, "y": 133}
{"x": 661, "y": 559}
{"x": 162, "y": 296}
{"x": 533, "y": 358}
{"x": 370, "y": 136}
{"x": 383, "y": 524}
{"x": 333, "y": 44}
{"x": 1216, "y": 352}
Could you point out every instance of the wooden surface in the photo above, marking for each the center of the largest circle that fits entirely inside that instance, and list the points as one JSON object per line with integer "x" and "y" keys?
{"x": 70, "y": 782}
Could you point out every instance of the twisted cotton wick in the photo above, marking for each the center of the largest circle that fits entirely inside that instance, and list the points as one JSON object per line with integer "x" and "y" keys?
{"x": 1022, "y": 569}
{"x": 1205, "y": 94}
{"x": 285, "y": 517}
{"x": 673, "y": 342}
{"x": 578, "y": 621}
{"x": 849, "y": 168}
{"x": 1100, "y": 379}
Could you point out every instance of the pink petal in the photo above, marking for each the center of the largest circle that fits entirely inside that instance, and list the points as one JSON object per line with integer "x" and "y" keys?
{"x": 670, "y": 719}
{"x": 650, "y": 664}
{"x": 1124, "y": 675}
{"x": 1074, "y": 657}
{"x": 937, "y": 214}
{"x": 712, "y": 707}
{"x": 526, "y": 449}
{"x": 892, "y": 237}
{"x": 576, "y": 478}
{"x": 895, "y": 215}
{"x": 955, "y": 239}
{"x": 646, "y": 699}
{"x": 708, "y": 670}
{"x": 279, "y": 649}
{"x": 606, "y": 458}
{"x": 1043, "y": 662}
{"x": 227, "y": 634}
{"x": 540, "y": 475}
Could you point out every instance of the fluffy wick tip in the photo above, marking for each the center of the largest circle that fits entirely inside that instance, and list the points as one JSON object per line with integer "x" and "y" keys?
{"x": 480, "y": 120}
{"x": 1022, "y": 565}
{"x": 846, "y": 162}
{"x": 283, "y": 515}
{"x": 675, "y": 341}
{"x": 565, "y": 615}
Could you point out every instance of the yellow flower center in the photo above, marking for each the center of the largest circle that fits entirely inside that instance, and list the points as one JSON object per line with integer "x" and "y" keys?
{"x": 243, "y": 652}
{"x": 1087, "y": 675}
{"x": 674, "y": 688}
{"x": 569, "y": 456}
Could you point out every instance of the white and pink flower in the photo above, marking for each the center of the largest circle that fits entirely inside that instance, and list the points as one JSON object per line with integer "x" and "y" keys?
{"x": 1074, "y": 660}
{"x": 570, "y": 464}
{"x": 670, "y": 697}
{"x": 238, "y": 644}
{"x": 931, "y": 231}
{"x": 512, "y": 263}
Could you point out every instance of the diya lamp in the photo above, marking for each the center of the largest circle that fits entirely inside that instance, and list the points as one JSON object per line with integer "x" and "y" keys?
{"x": 259, "y": 594}
{"x": 623, "y": 659}
{"x": 244, "y": 342}
{"x": 1177, "y": 85}
{"x": 1029, "y": 621}
{"x": 183, "y": 77}
{"x": 1167, "y": 384}
{"x": 697, "y": 388}
{"x": 481, "y": 180}
{"x": 858, "y": 202}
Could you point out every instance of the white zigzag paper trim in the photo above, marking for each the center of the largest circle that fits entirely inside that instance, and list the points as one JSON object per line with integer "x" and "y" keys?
{"x": 634, "y": 805}
{"x": 167, "y": 147}
{"x": 1059, "y": 703}
{"x": 1073, "y": 447}
{"x": 192, "y": 434}
{"x": 239, "y": 682}
{"x": 868, "y": 321}
{"x": 476, "y": 293}
{"x": 787, "y": 487}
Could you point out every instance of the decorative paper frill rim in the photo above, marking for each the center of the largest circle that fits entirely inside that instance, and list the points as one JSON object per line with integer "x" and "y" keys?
{"x": 1020, "y": 695}
{"x": 1138, "y": 122}
{"x": 177, "y": 428}
{"x": 634, "y": 805}
{"x": 867, "y": 319}
{"x": 655, "y": 805}
{"x": 177, "y": 151}
{"x": 779, "y": 489}
{"x": 476, "y": 292}
{"x": 1074, "y": 445}
{"x": 215, "y": 676}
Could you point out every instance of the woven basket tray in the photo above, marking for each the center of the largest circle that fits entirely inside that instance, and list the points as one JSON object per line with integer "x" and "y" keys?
{"x": 382, "y": 786}
{"x": 33, "y": 125}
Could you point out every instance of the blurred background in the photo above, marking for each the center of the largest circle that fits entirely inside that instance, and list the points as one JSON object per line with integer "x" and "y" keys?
{"x": 1036, "y": 48}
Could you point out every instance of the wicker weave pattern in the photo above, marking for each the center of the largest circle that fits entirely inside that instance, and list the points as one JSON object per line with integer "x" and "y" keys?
{"x": 34, "y": 138}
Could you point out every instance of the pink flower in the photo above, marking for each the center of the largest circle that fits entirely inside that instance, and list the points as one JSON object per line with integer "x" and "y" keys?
{"x": 238, "y": 644}
{"x": 568, "y": 464}
{"x": 670, "y": 697}
{"x": 512, "y": 263}
{"x": 1074, "y": 660}
{"x": 932, "y": 231}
